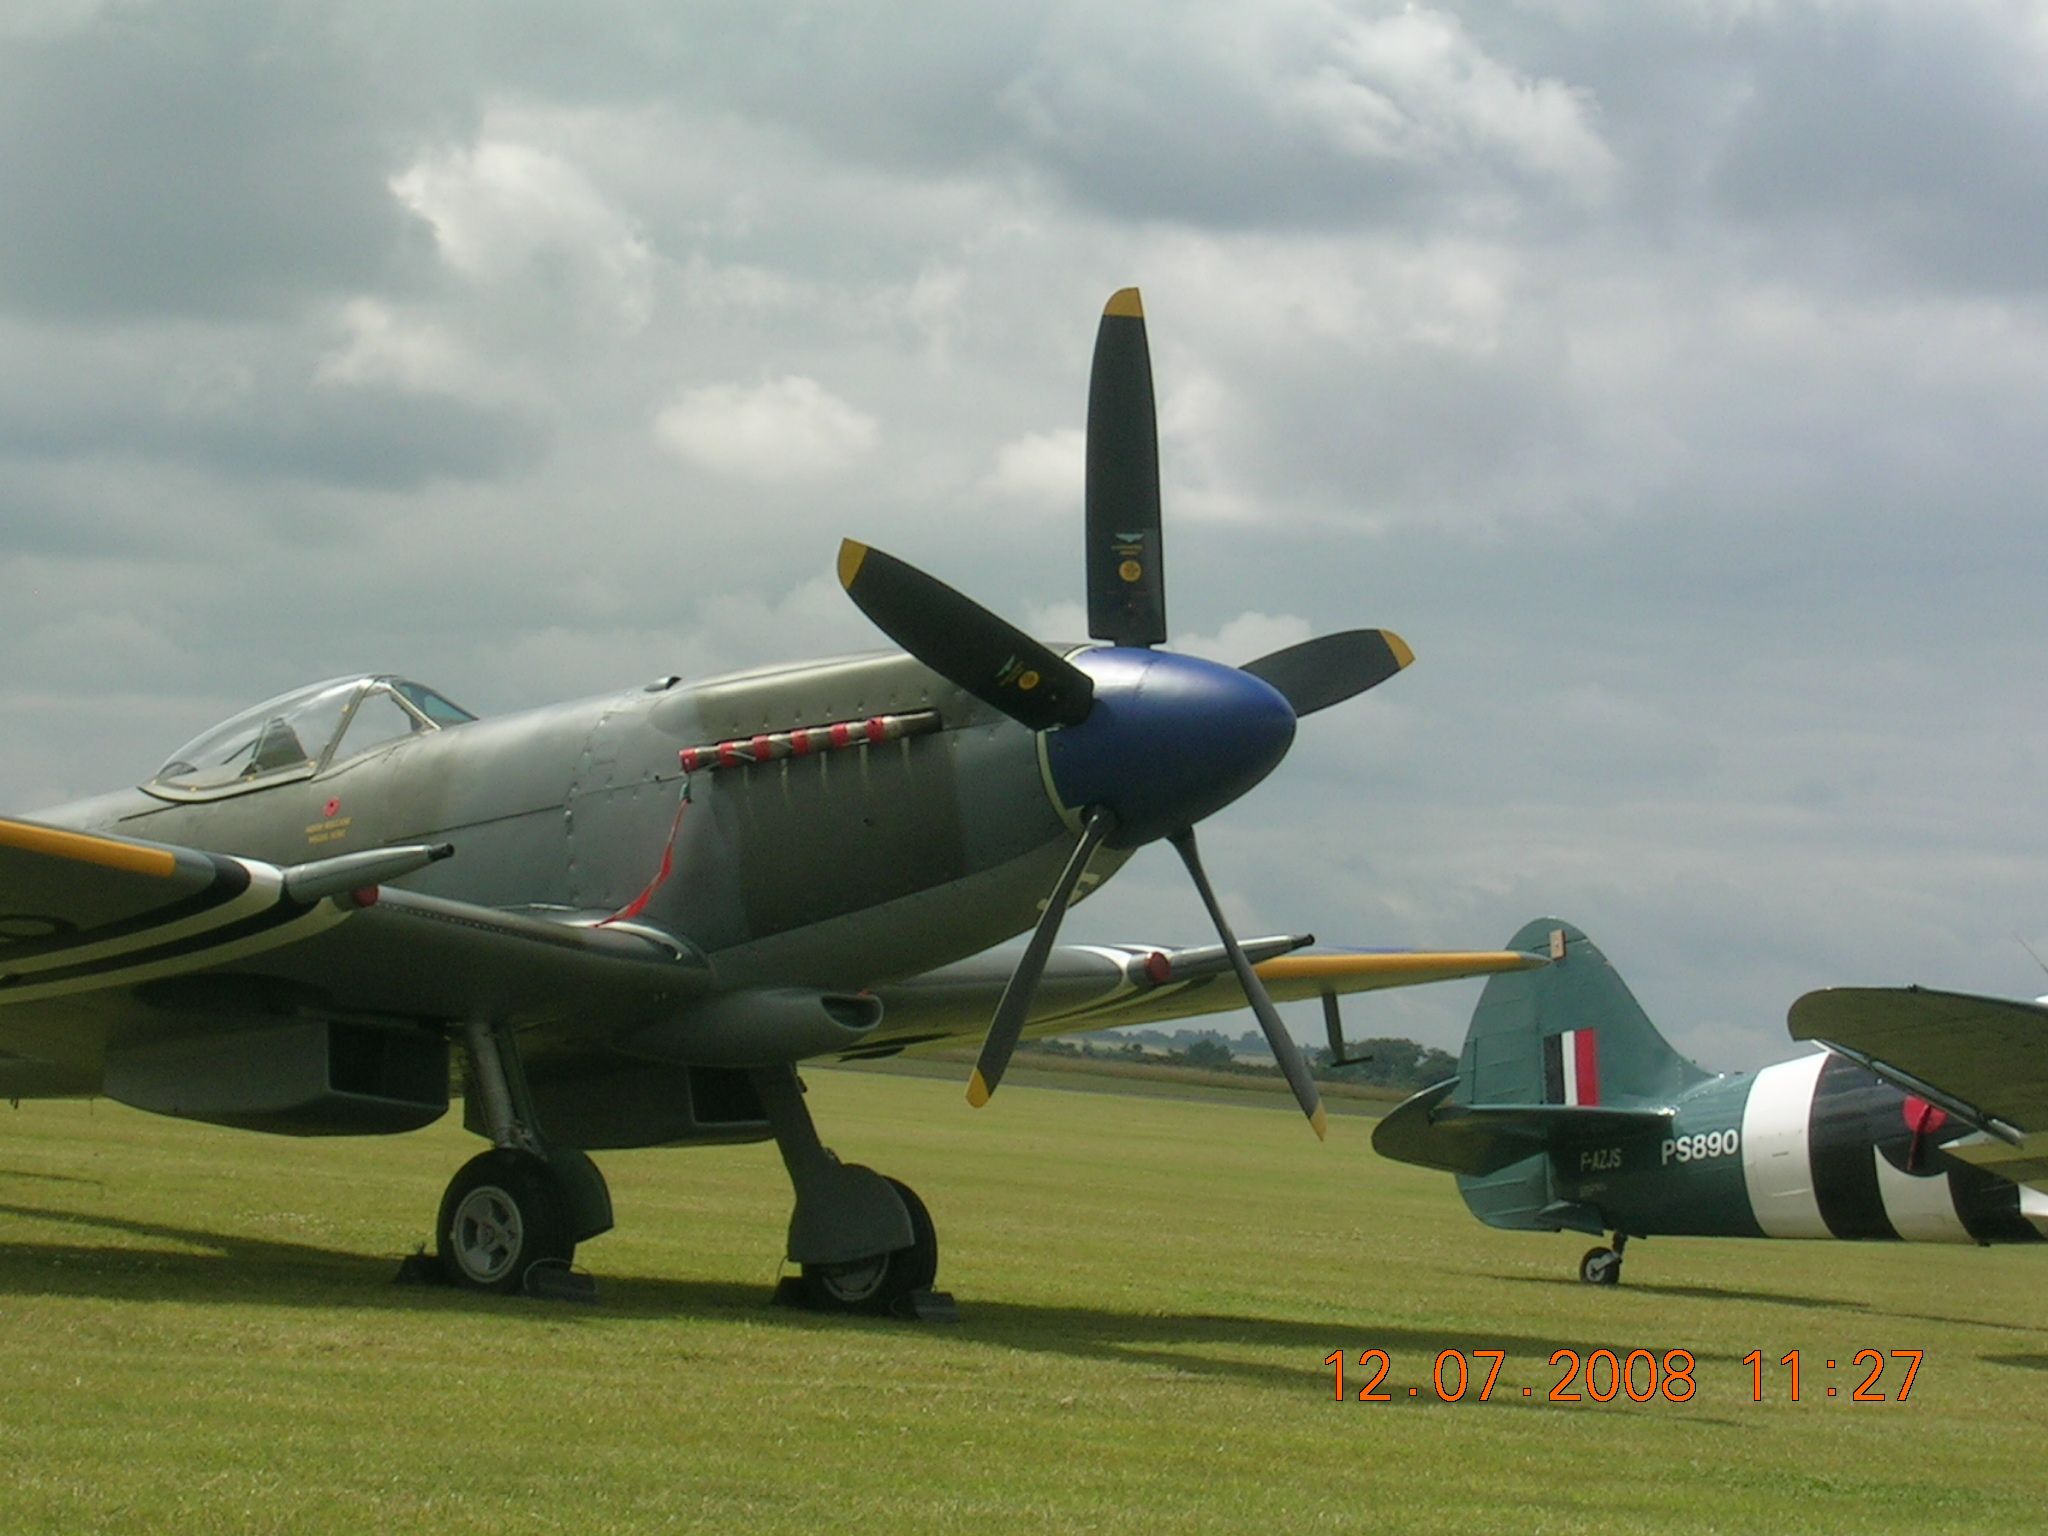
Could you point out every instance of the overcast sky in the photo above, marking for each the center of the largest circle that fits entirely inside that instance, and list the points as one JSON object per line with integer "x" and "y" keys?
{"x": 1672, "y": 377}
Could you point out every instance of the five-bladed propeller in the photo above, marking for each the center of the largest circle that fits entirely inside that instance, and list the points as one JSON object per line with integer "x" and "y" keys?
{"x": 1139, "y": 744}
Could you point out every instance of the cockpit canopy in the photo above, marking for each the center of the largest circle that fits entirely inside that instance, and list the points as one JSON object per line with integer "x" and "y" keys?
{"x": 297, "y": 734}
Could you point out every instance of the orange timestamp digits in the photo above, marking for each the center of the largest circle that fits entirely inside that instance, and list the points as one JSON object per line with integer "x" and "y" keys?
{"x": 1636, "y": 1376}
{"x": 1865, "y": 1391}
{"x": 1457, "y": 1375}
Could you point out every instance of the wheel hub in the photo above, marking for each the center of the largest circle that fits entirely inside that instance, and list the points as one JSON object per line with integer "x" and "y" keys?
{"x": 487, "y": 1234}
{"x": 856, "y": 1282}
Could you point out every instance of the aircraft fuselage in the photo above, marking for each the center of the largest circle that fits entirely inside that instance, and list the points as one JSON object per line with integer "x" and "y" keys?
{"x": 1816, "y": 1147}
{"x": 835, "y": 865}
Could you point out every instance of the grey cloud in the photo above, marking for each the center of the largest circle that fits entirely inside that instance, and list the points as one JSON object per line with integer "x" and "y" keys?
{"x": 1315, "y": 116}
{"x": 1904, "y": 137}
{"x": 1874, "y": 145}
{"x": 1210, "y": 114}
{"x": 374, "y": 438}
{"x": 242, "y": 403}
{"x": 193, "y": 159}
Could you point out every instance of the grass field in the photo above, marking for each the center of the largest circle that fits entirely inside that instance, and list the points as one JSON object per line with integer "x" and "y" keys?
{"x": 200, "y": 1333}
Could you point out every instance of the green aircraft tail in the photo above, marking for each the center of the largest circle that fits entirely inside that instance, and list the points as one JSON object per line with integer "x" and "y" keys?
{"x": 1555, "y": 1059}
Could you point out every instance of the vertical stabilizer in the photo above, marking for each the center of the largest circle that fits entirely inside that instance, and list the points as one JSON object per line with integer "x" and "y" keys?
{"x": 1569, "y": 1034}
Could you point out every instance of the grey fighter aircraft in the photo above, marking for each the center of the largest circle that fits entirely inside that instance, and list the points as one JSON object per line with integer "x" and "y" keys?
{"x": 1924, "y": 1120}
{"x": 630, "y": 917}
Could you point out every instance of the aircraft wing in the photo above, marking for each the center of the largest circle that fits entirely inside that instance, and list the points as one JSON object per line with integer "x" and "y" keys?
{"x": 112, "y": 948}
{"x": 1090, "y": 987}
{"x": 1982, "y": 1059}
{"x": 112, "y": 943}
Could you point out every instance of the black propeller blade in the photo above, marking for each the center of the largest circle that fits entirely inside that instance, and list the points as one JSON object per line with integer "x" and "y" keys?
{"x": 961, "y": 640}
{"x": 1008, "y": 1024}
{"x": 1126, "y": 569}
{"x": 1332, "y": 668}
{"x": 1285, "y": 1051}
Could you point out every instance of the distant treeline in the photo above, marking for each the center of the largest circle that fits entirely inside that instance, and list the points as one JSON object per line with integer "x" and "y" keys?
{"x": 1394, "y": 1063}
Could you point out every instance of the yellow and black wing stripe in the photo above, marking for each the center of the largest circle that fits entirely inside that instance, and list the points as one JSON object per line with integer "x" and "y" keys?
{"x": 80, "y": 911}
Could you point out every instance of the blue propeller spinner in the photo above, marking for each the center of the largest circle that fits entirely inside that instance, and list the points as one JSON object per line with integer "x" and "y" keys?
{"x": 1169, "y": 740}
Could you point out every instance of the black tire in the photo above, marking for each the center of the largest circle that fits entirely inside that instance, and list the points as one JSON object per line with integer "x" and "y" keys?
{"x": 877, "y": 1284}
{"x": 922, "y": 1268}
{"x": 1600, "y": 1266}
{"x": 503, "y": 1214}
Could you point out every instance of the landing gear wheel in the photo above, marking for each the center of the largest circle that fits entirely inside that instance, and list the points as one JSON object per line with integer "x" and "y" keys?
{"x": 877, "y": 1284}
{"x": 1600, "y": 1266}
{"x": 503, "y": 1214}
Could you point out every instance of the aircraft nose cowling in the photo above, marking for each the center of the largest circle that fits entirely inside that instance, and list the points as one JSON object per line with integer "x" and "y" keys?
{"x": 1170, "y": 739}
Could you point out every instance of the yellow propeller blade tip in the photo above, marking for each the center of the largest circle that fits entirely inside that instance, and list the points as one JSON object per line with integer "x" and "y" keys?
{"x": 1399, "y": 647}
{"x": 1319, "y": 1122}
{"x": 1125, "y": 304}
{"x": 851, "y": 554}
{"x": 977, "y": 1090}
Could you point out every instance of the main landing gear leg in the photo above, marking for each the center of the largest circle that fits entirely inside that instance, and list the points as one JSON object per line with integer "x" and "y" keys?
{"x": 865, "y": 1242}
{"x": 1602, "y": 1266}
{"x": 512, "y": 1216}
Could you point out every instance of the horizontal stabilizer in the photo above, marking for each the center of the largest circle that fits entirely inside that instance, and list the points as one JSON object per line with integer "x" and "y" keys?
{"x": 1479, "y": 1139}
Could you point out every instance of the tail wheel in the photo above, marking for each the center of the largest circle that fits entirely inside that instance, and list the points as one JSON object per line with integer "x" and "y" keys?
{"x": 503, "y": 1214}
{"x": 876, "y": 1284}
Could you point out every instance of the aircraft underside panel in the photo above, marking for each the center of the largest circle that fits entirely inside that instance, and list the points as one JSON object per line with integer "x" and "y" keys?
{"x": 298, "y": 1078}
{"x": 608, "y": 1102}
